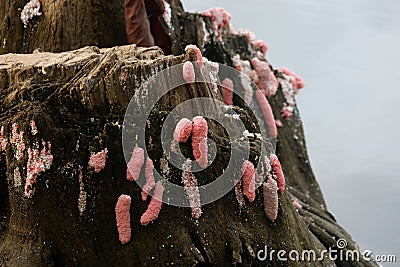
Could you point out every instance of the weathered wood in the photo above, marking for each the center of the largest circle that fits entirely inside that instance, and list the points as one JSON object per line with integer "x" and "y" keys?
{"x": 63, "y": 26}
{"x": 78, "y": 100}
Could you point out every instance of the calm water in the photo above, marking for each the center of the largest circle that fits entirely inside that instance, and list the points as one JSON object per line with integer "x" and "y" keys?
{"x": 348, "y": 54}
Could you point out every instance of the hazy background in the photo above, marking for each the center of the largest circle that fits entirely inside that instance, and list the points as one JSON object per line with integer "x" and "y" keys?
{"x": 348, "y": 54}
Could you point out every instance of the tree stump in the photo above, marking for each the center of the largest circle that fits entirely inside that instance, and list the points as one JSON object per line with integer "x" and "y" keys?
{"x": 78, "y": 100}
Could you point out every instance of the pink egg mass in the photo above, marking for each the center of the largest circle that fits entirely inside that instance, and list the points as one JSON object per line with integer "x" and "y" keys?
{"x": 98, "y": 160}
{"x": 296, "y": 79}
{"x": 266, "y": 80}
{"x": 267, "y": 114}
{"x": 37, "y": 163}
{"x": 271, "y": 200}
{"x": 249, "y": 182}
{"x": 155, "y": 205}
{"x": 3, "y": 140}
{"x": 262, "y": 45}
{"x": 276, "y": 166}
{"x": 191, "y": 188}
{"x": 188, "y": 72}
{"x": 123, "y": 218}
{"x": 227, "y": 87}
{"x": 219, "y": 19}
{"x": 183, "y": 130}
{"x": 199, "y": 140}
{"x": 135, "y": 164}
{"x": 148, "y": 173}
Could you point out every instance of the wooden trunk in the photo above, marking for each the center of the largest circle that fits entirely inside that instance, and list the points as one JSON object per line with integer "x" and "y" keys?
{"x": 78, "y": 101}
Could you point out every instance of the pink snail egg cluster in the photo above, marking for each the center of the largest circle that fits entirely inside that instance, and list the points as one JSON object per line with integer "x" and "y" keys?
{"x": 123, "y": 218}
{"x": 154, "y": 207}
{"x": 249, "y": 183}
{"x": 98, "y": 160}
{"x": 30, "y": 10}
{"x": 183, "y": 130}
{"x": 199, "y": 140}
{"x": 188, "y": 72}
{"x": 227, "y": 87}
{"x": 135, "y": 164}
{"x": 150, "y": 182}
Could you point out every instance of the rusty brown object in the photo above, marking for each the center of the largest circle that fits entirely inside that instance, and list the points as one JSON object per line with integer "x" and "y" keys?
{"x": 137, "y": 23}
{"x": 158, "y": 27}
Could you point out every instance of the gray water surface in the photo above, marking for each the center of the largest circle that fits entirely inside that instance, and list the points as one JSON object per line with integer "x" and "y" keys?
{"x": 347, "y": 51}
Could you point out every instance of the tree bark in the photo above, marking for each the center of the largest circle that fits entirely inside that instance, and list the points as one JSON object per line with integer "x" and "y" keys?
{"x": 78, "y": 100}
{"x": 63, "y": 26}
